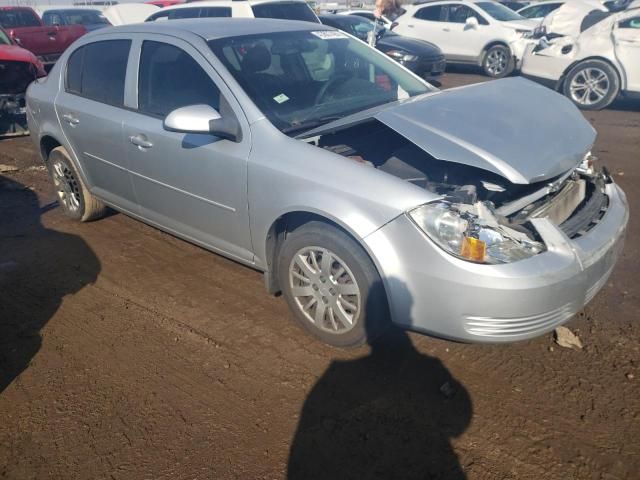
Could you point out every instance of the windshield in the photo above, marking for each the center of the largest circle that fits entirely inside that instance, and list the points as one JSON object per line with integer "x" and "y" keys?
{"x": 84, "y": 17}
{"x": 303, "y": 79}
{"x": 499, "y": 12}
{"x": 285, "y": 11}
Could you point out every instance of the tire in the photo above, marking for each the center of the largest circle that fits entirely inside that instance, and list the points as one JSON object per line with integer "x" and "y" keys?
{"x": 498, "y": 61}
{"x": 592, "y": 85}
{"x": 338, "y": 324}
{"x": 73, "y": 195}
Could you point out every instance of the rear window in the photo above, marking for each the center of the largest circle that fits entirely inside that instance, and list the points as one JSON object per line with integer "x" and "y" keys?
{"x": 285, "y": 11}
{"x": 97, "y": 71}
{"x": 18, "y": 18}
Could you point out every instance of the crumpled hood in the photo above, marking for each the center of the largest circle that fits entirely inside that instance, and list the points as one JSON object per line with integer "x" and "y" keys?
{"x": 512, "y": 127}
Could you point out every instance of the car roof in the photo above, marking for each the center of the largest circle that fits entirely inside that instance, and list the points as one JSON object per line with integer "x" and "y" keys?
{"x": 223, "y": 3}
{"x": 216, "y": 28}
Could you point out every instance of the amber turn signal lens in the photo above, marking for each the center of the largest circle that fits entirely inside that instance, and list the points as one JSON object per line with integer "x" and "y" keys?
{"x": 473, "y": 249}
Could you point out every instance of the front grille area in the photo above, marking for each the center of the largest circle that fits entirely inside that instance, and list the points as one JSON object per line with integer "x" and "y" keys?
{"x": 515, "y": 326}
{"x": 586, "y": 215}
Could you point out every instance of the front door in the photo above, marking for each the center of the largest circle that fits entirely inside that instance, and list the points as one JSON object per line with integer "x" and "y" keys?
{"x": 627, "y": 43}
{"x": 465, "y": 41}
{"x": 89, "y": 109}
{"x": 192, "y": 184}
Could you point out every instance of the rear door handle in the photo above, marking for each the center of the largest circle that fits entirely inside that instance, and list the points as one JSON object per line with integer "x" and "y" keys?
{"x": 140, "y": 141}
{"x": 446, "y": 30}
{"x": 70, "y": 119}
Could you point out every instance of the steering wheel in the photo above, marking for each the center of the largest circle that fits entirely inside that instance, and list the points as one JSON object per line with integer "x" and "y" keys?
{"x": 329, "y": 83}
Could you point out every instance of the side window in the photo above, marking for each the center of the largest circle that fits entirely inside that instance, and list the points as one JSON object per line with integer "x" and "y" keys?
{"x": 158, "y": 17}
{"x": 97, "y": 71}
{"x": 18, "y": 18}
{"x": 52, "y": 19}
{"x": 184, "y": 13}
{"x": 433, "y": 14}
{"x": 170, "y": 78}
{"x": 459, "y": 14}
{"x": 630, "y": 23}
{"x": 209, "y": 12}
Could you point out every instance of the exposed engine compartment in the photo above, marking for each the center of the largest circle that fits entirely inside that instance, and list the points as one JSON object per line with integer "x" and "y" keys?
{"x": 574, "y": 200}
{"x": 16, "y": 76}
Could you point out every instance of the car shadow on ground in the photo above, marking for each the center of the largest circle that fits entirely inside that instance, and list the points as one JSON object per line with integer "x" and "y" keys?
{"x": 389, "y": 414}
{"x": 38, "y": 267}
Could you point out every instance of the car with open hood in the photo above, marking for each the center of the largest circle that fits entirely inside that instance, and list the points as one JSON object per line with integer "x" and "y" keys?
{"x": 364, "y": 194}
{"x": 18, "y": 68}
{"x": 593, "y": 65}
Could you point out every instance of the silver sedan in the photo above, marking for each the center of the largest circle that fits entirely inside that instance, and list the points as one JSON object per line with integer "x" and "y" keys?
{"x": 365, "y": 195}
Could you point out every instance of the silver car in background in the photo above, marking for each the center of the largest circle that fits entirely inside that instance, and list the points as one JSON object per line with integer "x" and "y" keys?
{"x": 363, "y": 194}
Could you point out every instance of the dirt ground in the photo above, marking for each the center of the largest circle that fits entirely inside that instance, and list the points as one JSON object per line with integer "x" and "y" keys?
{"x": 128, "y": 354}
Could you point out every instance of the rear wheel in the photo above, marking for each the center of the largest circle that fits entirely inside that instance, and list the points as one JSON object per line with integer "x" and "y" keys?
{"x": 73, "y": 195}
{"x": 592, "y": 85}
{"x": 332, "y": 287}
{"x": 498, "y": 61}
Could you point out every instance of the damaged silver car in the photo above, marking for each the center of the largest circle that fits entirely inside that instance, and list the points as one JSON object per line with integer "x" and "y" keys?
{"x": 365, "y": 195}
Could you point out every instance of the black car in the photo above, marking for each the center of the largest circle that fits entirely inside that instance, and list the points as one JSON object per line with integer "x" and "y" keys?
{"x": 422, "y": 58}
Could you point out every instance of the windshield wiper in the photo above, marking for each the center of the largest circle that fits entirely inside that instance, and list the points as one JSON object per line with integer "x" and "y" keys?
{"x": 309, "y": 124}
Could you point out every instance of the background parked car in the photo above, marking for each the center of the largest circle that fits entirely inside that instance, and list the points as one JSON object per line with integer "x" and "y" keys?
{"x": 18, "y": 68}
{"x": 26, "y": 28}
{"x": 593, "y": 67}
{"x": 479, "y": 32}
{"x": 368, "y": 14}
{"x": 282, "y": 9}
{"x": 422, "y": 58}
{"x": 539, "y": 10}
{"x": 88, "y": 18}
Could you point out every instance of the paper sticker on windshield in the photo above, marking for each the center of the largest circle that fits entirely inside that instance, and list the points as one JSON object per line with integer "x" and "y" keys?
{"x": 328, "y": 34}
{"x": 281, "y": 98}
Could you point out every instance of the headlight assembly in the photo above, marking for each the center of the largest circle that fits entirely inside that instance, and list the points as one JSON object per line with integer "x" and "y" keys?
{"x": 401, "y": 55}
{"x": 473, "y": 237}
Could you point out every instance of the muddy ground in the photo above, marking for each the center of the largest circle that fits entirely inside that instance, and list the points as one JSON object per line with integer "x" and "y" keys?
{"x": 128, "y": 354}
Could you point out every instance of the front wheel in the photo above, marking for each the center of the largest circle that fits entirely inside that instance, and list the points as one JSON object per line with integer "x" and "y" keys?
{"x": 498, "y": 61}
{"x": 331, "y": 286}
{"x": 592, "y": 85}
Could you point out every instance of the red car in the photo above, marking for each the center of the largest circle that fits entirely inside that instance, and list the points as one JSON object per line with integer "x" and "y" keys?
{"x": 18, "y": 68}
{"x": 27, "y": 29}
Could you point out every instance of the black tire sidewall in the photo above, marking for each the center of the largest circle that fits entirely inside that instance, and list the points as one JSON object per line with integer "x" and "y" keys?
{"x": 373, "y": 314}
{"x": 59, "y": 156}
{"x": 612, "y": 75}
{"x": 510, "y": 65}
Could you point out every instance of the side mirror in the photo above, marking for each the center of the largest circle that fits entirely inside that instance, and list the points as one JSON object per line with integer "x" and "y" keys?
{"x": 204, "y": 119}
{"x": 471, "y": 23}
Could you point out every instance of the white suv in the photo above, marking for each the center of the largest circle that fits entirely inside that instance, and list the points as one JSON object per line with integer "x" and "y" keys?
{"x": 282, "y": 9}
{"x": 481, "y": 32}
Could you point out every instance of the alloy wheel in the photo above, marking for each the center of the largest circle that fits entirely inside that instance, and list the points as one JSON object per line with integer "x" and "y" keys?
{"x": 496, "y": 62}
{"x": 589, "y": 86}
{"x": 67, "y": 186}
{"x": 324, "y": 289}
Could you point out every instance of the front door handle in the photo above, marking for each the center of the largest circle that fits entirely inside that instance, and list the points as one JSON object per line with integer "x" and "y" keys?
{"x": 70, "y": 119}
{"x": 140, "y": 141}
{"x": 446, "y": 30}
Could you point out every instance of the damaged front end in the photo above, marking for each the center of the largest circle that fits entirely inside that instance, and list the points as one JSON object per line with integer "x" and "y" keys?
{"x": 492, "y": 174}
{"x": 15, "y": 77}
{"x": 480, "y": 216}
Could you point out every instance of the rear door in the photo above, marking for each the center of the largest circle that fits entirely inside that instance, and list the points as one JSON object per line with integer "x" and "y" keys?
{"x": 627, "y": 46}
{"x": 90, "y": 107}
{"x": 427, "y": 24}
{"x": 25, "y": 27}
{"x": 192, "y": 184}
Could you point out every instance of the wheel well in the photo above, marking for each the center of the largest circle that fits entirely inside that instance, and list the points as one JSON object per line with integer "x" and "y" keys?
{"x": 560, "y": 85}
{"x": 489, "y": 45}
{"x": 47, "y": 144}
{"x": 278, "y": 232}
